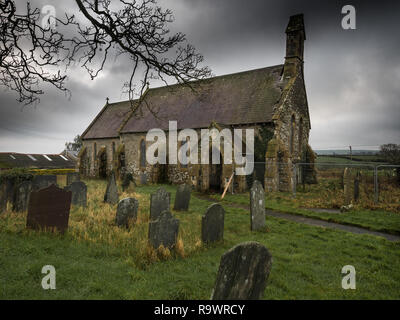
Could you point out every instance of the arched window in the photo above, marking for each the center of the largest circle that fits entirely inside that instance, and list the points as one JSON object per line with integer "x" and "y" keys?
{"x": 301, "y": 136}
{"x": 113, "y": 150}
{"x": 292, "y": 130}
{"x": 142, "y": 153}
{"x": 95, "y": 150}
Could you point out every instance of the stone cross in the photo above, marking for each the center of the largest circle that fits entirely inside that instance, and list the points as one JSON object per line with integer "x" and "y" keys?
{"x": 243, "y": 272}
{"x": 257, "y": 206}
{"x": 111, "y": 195}
{"x": 72, "y": 177}
{"x": 159, "y": 202}
{"x": 182, "y": 197}
{"x": 21, "y": 196}
{"x": 49, "y": 208}
{"x": 212, "y": 224}
{"x": 163, "y": 231}
{"x": 79, "y": 193}
{"x": 127, "y": 210}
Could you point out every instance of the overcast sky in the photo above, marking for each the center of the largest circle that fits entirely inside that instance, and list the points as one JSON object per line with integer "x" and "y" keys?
{"x": 352, "y": 76}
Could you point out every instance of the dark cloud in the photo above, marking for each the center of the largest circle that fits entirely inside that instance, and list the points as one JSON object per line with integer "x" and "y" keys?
{"x": 352, "y": 76}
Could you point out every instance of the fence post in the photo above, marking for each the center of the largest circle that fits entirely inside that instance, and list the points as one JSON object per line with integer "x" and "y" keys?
{"x": 294, "y": 179}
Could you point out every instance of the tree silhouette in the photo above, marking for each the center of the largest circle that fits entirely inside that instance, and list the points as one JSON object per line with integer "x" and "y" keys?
{"x": 32, "y": 54}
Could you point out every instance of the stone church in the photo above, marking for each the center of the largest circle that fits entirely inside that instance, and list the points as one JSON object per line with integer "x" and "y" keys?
{"x": 271, "y": 100}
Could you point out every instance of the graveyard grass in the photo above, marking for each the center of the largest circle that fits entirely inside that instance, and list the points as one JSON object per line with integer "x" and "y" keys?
{"x": 97, "y": 260}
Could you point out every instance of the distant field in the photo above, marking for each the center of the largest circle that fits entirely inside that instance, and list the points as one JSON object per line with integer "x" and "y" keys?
{"x": 355, "y": 160}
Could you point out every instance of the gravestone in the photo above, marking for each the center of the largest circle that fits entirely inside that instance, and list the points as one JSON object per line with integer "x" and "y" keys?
{"x": 79, "y": 193}
{"x": 49, "y": 208}
{"x": 357, "y": 186}
{"x": 3, "y": 197}
{"x": 73, "y": 177}
{"x": 243, "y": 272}
{"x": 159, "y": 202}
{"x": 257, "y": 206}
{"x": 143, "y": 178}
{"x": 111, "y": 195}
{"x": 346, "y": 186}
{"x": 182, "y": 197}
{"x": 21, "y": 196}
{"x": 127, "y": 179}
{"x": 212, "y": 224}
{"x": 43, "y": 181}
{"x": 164, "y": 231}
{"x": 127, "y": 210}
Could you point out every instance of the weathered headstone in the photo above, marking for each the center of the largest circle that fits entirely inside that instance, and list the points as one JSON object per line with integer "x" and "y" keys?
{"x": 346, "y": 185}
{"x": 49, "y": 208}
{"x": 212, "y": 224}
{"x": 357, "y": 186}
{"x": 73, "y": 177}
{"x": 243, "y": 272}
{"x": 127, "y": 210}
{"x": 143, "y": 178}
{"x": 182, "y": 197}
{"x": 21, "y": 196}
{"x": 127, "y": 179}
{"x": 3, "y": 197}
{"x": 159, "y": 202}
{"x": 257, "y": 206}
{"x": 164, "y": 230}
{"x": 43, "y": 181}
{"x": 111, "y": 195}
{"x": 79, "y": 193}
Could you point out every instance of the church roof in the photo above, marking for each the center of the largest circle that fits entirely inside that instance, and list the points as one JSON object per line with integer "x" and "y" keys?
{"x": 241, "y": 98}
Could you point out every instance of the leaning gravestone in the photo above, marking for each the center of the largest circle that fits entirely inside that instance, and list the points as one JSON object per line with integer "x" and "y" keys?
{"x": 347, "y": 188}
{"x": 21, "y": 196}
{"x": 212, "y": 224}
{"x": 159, "y": 202}
{"x": 182, "y": 197}
{"x": 111, "y": 195}
{"x": 164, "y": 231}
{"x": 127, "y": 210}
{"x": 43, "y": 181}
{"x": 49, "y": 208}
{"x": 257, "y": 206}
{"x": 73, "y": 177}
{"x": 79, "y": 193}
{"x": 243, "y": 272}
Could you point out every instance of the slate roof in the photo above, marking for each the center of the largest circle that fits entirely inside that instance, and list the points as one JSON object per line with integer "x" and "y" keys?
{"x": 240, "y": 98}
{"x": 40, "y": 161}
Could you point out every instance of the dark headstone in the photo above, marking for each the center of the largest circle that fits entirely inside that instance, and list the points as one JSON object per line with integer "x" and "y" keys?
{"x": 212, "y": 224}
{"x": 111, "y": 195}
{"x": 127, "y": 179}
{"x": 164, "y": 230}
{"x": 243, "y": 272}
{"x": 3, "y": 197}
{"x": 43, "y": 181}
{"x": 143, "y": 178}
{"x": 127, "y": 210}
{"x": 73, "y": 177}
{"x": 21, "y": 196}
{"x": 49, "y": 208}
{"x": 79, "y": 193}
{"x": 159, "y": 202}
{"x": 182, "y": 197}
{"x": 357, "y": 187}
{"x": 257, "y": 206}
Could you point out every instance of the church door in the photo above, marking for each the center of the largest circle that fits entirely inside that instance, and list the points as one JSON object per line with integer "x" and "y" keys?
{"x": 215, "y": 174}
